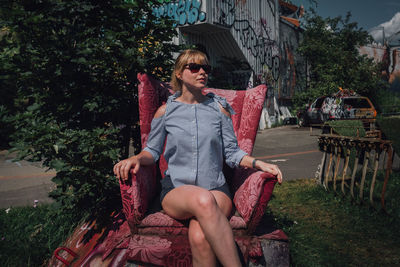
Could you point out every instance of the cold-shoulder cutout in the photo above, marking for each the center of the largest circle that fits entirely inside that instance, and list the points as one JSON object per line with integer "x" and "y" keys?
{"x": 223, "y": 104}
{"x": 160, "y": 111}
{"x": 224, "y": 110}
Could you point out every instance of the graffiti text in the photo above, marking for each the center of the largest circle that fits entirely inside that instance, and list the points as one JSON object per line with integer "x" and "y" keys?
{"x": 182, "y": 12}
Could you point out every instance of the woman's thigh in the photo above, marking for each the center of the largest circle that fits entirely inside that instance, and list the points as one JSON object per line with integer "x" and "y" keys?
{"x": 224, "y": 202}
{"x": 182, "y": 202}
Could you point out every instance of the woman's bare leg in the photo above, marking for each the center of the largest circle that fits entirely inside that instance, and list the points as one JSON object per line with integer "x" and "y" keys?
{"x": 189, "y": 201}
{"x": 202, "y": 253}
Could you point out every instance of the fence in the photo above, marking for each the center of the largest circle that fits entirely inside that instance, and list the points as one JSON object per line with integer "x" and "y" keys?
{"x": 335, "y": 164}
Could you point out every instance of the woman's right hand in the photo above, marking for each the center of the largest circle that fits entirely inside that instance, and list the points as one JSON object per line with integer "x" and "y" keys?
{"x": 122, "y": 168}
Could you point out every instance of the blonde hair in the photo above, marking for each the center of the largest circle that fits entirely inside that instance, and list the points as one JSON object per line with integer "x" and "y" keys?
{"x": 187, "y": 56}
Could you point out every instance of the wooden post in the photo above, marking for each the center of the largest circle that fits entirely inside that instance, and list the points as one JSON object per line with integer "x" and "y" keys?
{"x": 346, "y": 165}
{"x": 364, "y": 173}
{"x": 388, "y": 170}
{"x": 338, "y": 152}
{"x": 353, "y": 176}
{"x": 376, "y": 164}
{"x": 328, "y": 169}
{"x": 321, "y": 171}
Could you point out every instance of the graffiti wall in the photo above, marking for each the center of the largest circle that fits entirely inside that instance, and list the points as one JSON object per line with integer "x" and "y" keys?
{"x": 293, "y": 66}
{"x": 257, "y": 36}
{"x": 183, "y": 12}
{"x": 253, "y": 24}
{"x": 390, "y": 57}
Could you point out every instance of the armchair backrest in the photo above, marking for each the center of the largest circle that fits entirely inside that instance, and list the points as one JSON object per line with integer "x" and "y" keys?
{"x": 246, "y": 103}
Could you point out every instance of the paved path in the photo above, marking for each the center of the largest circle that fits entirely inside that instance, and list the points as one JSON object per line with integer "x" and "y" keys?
{"x": 292, "y": 148}
{"x": 22, "y": 182}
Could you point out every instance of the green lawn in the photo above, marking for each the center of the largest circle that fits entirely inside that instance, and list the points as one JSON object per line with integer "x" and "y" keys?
{"x": 328, "y": 230}
{"x": 323, "y": 229}
{"x": 29, "y": 235}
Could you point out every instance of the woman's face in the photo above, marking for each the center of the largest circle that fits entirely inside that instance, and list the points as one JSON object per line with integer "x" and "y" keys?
{"x": 195, "y": 75}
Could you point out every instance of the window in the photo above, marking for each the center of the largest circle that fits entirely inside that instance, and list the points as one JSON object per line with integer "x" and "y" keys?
{"x": 357, "y": 102}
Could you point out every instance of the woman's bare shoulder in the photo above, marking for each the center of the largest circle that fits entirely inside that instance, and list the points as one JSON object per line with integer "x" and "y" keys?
{"x": 224, "y": 110}
{"x": 160, "y": 111}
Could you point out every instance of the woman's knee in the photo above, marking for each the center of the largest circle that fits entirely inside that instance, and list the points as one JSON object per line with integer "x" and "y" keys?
{"x": 198, "y": 240}
{"x": 205, "y": 203}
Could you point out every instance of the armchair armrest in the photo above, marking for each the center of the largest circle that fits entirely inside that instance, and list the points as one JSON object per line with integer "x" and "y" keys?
{"x": 253, "y": 195}
{"x": 136, "y": 194}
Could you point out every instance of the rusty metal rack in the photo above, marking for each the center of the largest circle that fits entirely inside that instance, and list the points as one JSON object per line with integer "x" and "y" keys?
{"x": 335, "y": 167}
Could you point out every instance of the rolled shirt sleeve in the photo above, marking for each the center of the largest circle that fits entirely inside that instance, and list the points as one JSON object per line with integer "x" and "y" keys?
{"x": 156, "y": 139}
{"x": 232, "y": 152}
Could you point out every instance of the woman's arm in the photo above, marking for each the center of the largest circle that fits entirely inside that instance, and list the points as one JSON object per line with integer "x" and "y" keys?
{"x": 121, "y": 169}
{"x": 251, "y": 162}
{"x": 151, "y": 153}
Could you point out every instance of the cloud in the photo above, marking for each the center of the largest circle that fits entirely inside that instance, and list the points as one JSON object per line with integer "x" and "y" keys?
{"x": 391, "y": 27}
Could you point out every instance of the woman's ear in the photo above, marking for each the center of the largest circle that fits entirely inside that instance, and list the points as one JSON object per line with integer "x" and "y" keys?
{"x": 178, "y": 76}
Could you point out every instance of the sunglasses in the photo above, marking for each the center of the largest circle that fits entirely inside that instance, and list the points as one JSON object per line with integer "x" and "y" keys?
{"x": 195, "y": 68}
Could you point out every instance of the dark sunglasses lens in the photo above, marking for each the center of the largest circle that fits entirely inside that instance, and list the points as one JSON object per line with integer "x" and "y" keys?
{"x": 206, "y": 68}
{"x": 194, "y": 68}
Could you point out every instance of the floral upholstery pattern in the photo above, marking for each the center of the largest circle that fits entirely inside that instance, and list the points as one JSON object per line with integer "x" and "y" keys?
{"x": 156, "y": 238}
{"x": 143, "y": 235}
{"x": 120, "y": 246}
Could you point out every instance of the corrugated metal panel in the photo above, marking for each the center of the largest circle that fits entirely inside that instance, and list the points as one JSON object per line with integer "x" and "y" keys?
{"x": 217, "y": 42}
{"x": 253, "y": 27}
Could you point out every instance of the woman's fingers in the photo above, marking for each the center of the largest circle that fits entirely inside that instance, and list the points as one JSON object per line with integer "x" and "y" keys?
{"x": 274, "y": 169}
{"x": 122, "y": 168}
{"x": 125, "y": 170}
{"x": 136, "y": 168}
{"x": 116, "y": 169}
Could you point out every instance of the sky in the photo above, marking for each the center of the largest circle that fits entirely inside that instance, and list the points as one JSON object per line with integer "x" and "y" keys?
{"x": 367, "y": 13}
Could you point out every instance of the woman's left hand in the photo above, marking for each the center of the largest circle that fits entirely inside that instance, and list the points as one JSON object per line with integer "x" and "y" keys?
{"x": 271, "y": 168}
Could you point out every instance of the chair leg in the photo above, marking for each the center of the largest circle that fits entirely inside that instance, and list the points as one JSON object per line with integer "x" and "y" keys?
{"x": 276, "y": 253}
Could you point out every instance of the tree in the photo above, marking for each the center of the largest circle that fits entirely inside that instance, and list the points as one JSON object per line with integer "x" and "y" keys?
{"x": 69, "y": 69}
{"x": 330, "y": 49}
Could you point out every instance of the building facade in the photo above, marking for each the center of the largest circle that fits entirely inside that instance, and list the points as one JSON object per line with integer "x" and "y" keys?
{"x": 249, "y": 42}
{"x": 389, "y": 55}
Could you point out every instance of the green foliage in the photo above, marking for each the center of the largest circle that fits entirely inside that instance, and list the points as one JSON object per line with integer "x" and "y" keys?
{"x": 390, "y": 126}
{"x": 29, "y": 235}
{"x": 330, "y": 48}
{"x": 354, "y": 128}
{"x": 387, "y": 102}
{"x": 68, "y": 69}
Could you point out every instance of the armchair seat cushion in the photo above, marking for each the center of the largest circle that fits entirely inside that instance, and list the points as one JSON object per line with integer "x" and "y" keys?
{"x": 160, "y": 223}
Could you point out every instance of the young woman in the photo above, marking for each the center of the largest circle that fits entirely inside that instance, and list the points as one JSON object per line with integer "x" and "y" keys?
{"x": 199, "y": 136}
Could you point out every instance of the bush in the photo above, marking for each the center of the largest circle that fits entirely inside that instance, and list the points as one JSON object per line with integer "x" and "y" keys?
{"x": 72, "y": 66}
{"x": 390, "y": 127}
{"x": 330, "y": 49}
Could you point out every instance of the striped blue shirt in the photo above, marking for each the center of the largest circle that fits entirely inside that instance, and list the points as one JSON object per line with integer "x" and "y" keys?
{"x": 199, "y": 137}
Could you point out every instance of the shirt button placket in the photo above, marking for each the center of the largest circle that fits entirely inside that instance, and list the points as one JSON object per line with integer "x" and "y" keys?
{"x": 194, "y": 132}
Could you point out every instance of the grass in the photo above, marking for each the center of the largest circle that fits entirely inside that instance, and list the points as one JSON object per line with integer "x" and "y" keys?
{"x": 324, "y": 229}
{"x": 328, "y": 230}
{"x": 30, "y": 235}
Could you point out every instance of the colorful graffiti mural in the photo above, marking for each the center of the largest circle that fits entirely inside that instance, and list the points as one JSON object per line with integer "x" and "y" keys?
{"x": 293, "y": 66}
{"x": 182, "y": 12}
{"x": 261, "y": 47}
{"x": 390, "y": 57}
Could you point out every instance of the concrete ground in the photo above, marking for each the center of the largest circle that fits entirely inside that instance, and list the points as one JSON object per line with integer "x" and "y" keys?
{"x": 295, "y": 150}
{"x": 292, "y": 148}
{"x": 22, "y": 182}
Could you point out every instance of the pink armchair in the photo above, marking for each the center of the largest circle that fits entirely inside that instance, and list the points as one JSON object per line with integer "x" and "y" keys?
{"x": 144, "y": 234}
{"x": 252, "y": 189}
